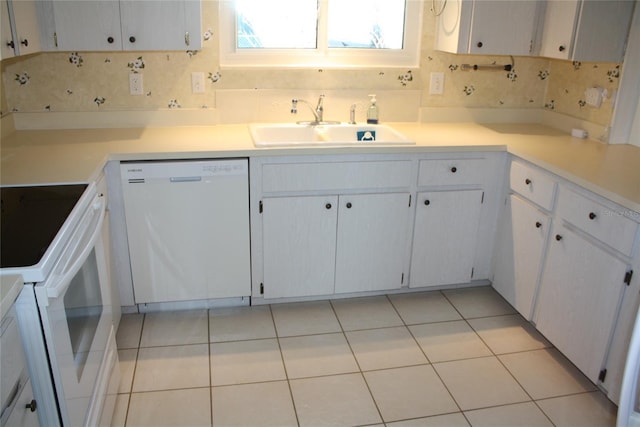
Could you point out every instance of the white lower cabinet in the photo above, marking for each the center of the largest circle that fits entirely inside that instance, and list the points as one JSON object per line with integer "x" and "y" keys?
{"x": 321, "y": 245}
{"x": 580, "y": 294}
{"x": 299, "y": 245}
{"x": 444, "y": 237}
{"x": 521, "y": 242}
{"x": 372, "y": 237}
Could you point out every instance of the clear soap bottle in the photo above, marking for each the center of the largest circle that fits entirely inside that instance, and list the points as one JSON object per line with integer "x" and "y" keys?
{"x": 373, "y": 113}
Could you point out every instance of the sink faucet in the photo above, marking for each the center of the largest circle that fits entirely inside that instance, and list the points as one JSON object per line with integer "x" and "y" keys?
{"x": 318, "y": 112}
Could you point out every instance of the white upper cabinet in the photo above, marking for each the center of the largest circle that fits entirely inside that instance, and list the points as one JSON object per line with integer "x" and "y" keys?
{"x": 104, "y": 25}
{"x": 489, "y": 27}
{"x": 20, "y": 31}
{"x": 586, "y": 30}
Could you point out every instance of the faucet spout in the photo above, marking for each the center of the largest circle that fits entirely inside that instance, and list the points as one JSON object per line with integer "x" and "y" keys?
{"x": 318, "y": 111}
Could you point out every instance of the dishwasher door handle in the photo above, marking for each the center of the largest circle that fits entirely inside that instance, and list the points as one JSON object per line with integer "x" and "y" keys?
{"x": 185, "y": 178}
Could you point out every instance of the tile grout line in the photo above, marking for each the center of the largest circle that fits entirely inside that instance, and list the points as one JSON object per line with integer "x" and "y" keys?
{"x": 353, "y": 354}
{"x": 284, "y": 366}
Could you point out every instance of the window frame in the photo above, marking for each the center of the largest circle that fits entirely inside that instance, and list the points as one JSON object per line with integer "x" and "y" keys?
{"x": 322, "y": 56}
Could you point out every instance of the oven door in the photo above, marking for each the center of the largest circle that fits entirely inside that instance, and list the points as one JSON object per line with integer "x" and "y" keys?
{"x": 75, "y": 308}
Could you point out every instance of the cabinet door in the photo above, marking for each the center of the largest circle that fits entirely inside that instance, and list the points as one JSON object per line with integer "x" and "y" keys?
{"x": 559, "y": 28}
{"x": 372, "y": 237}
{"x": 445, "y": 235}
{"x": 23, "y": 416}
{"x": 26, "y": 22}
{"x": 299, "y": 245}
{"x": 6, "y": 37}
{"x": 580, "y": 291}
{"x": 160, "y": 24}
{"x": 87, "y": 25}
{"x": 518, "y": 260}
{"x": 503, "y": 27}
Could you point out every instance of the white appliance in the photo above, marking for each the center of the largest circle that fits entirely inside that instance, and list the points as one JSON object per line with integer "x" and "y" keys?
{"x": 188, "y": 229}
{"x": 65, "y": 319}
{"x": 629, "y": 405}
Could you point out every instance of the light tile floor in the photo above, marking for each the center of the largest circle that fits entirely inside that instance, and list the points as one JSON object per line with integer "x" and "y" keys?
{"x": 441, "y": 358}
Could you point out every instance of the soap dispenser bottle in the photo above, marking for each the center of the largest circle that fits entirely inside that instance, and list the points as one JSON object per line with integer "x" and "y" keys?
{"x": 373, "y": 112}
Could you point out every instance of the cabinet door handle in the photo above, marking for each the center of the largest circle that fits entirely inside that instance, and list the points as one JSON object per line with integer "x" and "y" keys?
{"x": 592, "y": 216}
{"x": 328, "y": 206}
{"x": 349, "y": 205}
{"x": 527, "y": 181}
{"x": 132, "y": 39}
{"x": 25, "y": 42}
{"x": 454, "y": 169}
{"x": 11, "y": 44}
{"x": 558, "y": 237}
{"x": 479, "y": 44}
{"x": 109, "y": 40}
{"x": 538, "y": 224}
{"x": 427, "y": 202}
{"x": 32, "y": 406}
{"x": 561, "y": 48}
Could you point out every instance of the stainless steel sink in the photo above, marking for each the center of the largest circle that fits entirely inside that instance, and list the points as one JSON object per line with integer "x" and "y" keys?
{"x": 288, "y": 134}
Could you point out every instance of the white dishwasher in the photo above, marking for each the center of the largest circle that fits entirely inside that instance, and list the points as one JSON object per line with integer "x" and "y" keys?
{"x": 188, "y": 229}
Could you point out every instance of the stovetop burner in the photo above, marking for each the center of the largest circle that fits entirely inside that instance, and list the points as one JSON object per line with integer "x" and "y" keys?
{"x": 30, "y": 218}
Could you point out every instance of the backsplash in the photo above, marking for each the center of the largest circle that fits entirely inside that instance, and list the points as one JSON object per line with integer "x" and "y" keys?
{"x": 99, "y": 81}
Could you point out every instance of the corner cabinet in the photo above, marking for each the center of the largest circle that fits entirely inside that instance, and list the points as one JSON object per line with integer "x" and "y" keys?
{"x": 105, "y": 25}
{"x": 586, "y": 30}
{"x": 330, "y": 227}
{"x": 488, "y": 27}
{"x": 522, "y": 236}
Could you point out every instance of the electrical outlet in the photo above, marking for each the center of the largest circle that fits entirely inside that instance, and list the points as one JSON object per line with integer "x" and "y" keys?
{"x": 436, "y": 85}
{"x": 197, "y": 82}
{"x": 135, "y": 84}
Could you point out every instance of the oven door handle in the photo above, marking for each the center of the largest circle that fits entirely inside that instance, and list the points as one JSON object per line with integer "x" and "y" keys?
{"x": 63, "y": 282}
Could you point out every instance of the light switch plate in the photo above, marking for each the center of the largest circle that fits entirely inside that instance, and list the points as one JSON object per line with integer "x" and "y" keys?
{"x": 135, "y": 84}
{"x": 197, "y": 82}
{"x": 436, "y": 84}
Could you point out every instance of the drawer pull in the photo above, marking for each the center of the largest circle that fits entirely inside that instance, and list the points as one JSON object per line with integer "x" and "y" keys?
{"x": 32, "y": 406}
{"x": 538, "y": 224}
{"x": 110, "y": 40}
{"x": 558, "y": 237}
{"x": 427, "y": 202}
{"x": 454, "y": 169}
{"x": 349, "y": 205}
{"x": 527, "y": 181}
{"x": 328, "y": 206}
{"x": 592, "y": 216}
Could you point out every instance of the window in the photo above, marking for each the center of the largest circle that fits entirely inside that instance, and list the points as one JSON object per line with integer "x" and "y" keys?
{"x": 320, "y": 33}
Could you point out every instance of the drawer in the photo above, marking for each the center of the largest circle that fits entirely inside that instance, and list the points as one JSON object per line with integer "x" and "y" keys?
{"x": 335, "y": 176}
{"x": 606, "y": 223}
{"x": 534, "y": 184}
{"x": 452, "y": 172}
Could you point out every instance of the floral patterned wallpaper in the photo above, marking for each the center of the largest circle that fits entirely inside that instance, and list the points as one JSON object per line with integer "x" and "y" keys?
{"x": 98, "y": 81}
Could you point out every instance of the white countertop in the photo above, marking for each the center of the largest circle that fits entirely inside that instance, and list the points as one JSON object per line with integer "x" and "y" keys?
{"x": 78, "y": 155}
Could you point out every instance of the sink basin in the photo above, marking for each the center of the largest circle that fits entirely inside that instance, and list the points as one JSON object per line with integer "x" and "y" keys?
{"x": 283, "y": 134}
{"x": 288, "y": 134}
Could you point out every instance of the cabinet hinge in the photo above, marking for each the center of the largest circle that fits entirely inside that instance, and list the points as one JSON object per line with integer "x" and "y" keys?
{"x": 260, "y": 207}
{"x": 603, "y": 375}
{"x": 55, "y": 39}
{"x": 482, "y": 199}
{"x": 627, "y": 277}
{"x": 261, "y": 288}
{"x": 402, "y": 279}
{"x": 472, "y": 272}
{"x": 409, "y": 200}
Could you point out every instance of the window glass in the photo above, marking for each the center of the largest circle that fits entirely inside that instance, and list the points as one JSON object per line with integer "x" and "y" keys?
{"x": 374, "y": 24}
{"x": 277, "y": 24}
